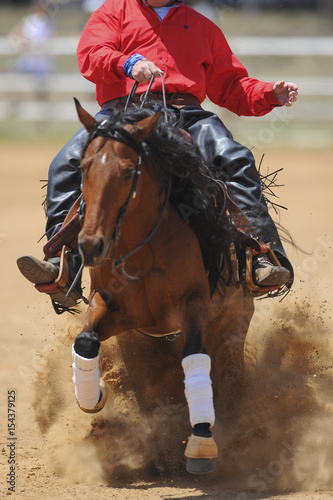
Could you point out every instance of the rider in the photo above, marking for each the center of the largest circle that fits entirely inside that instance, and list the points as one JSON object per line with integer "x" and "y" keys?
{"x": 127, "y": 40}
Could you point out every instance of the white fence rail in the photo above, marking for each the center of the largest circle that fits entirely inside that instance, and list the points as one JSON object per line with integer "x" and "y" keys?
{"x": 241, "y": 45}
{"x": 64, "y": 111}
{"x": 71, "y": 82}
{"x": 23, "y": 88}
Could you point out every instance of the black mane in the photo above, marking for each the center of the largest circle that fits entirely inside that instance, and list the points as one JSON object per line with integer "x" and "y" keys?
{"x": 198, "y": 196}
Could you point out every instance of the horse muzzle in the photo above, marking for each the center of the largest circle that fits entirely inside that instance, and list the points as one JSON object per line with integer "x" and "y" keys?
{"x": 92, "y": 248}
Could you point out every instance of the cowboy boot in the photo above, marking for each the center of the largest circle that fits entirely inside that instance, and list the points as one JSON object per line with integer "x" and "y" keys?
{"x": 267, "y": 274}
{"x": 40, "y": 272}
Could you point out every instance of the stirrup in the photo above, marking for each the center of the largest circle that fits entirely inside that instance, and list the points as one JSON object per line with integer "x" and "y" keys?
{"x": 58, "y": 289}
{"x": 61, "y": 281}
{"x": 246, "y": 267}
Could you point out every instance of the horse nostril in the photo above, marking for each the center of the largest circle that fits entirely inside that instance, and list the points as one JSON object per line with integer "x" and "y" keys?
{"x": 91, "y": 249}
{"x": 99, "y": 248}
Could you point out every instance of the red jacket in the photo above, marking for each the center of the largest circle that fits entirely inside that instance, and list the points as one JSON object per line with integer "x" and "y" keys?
{"x": 190, "y": 49}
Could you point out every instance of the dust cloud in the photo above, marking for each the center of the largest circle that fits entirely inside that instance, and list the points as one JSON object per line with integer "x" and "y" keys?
{"x": 273, "y": 435}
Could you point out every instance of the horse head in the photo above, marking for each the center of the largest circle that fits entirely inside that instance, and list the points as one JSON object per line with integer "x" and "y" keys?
{"x": 111, "y": 169}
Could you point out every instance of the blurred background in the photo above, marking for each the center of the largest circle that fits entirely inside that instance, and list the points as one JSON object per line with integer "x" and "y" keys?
{"x": 275, "y": 39}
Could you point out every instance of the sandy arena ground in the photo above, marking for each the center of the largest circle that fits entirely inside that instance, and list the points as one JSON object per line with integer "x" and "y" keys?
{"x": 278, "y": 443}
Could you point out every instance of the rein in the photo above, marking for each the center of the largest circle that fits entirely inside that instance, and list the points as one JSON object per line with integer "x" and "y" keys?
{"x": 121, "y": 135}
{"x": 144, "y": 96}
{"x": 119, "y": 262}
{"x": 125, "y": 137}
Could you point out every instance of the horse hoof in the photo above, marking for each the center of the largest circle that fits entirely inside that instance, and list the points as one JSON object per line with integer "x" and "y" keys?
{"x": 201, "y": 447}
{"x": 200, "y": 465}
{"x": 101, "y": 403}
{"x": 201, "y": 453}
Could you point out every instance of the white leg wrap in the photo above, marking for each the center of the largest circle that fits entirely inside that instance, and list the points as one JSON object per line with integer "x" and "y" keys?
{"x": 198, "y": 389}
{"x": 86, "y": 377}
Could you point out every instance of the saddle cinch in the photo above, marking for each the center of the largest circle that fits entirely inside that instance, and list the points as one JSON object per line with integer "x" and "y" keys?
{"x": 65, "y": 241}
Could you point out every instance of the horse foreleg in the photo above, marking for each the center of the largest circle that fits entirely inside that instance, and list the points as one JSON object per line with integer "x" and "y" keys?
{"x": 90, "y": 389}
{"x": 201, "y": 449}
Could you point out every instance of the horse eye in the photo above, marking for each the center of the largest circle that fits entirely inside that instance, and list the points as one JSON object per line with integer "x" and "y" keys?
{"x": 128, "y": 174}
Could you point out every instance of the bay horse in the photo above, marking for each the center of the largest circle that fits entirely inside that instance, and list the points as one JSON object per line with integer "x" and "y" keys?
{"x": 139, "y": 175}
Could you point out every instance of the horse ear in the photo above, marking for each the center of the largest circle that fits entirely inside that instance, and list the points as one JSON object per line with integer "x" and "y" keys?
{"x": 143, "y": 128}
{"x": 85, "y": 118}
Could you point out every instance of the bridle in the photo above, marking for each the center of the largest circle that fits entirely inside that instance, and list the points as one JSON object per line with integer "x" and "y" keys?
{"x": 121, "y": 135}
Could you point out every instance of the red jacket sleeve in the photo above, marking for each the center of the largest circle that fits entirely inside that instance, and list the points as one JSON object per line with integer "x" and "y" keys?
{"x": 98, "y": 55}
{"x": 229, "y": 85}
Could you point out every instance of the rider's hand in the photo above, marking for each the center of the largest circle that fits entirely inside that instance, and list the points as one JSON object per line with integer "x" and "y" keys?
{"x": 285, "y": 92}
{"x": 143, "y": 70}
